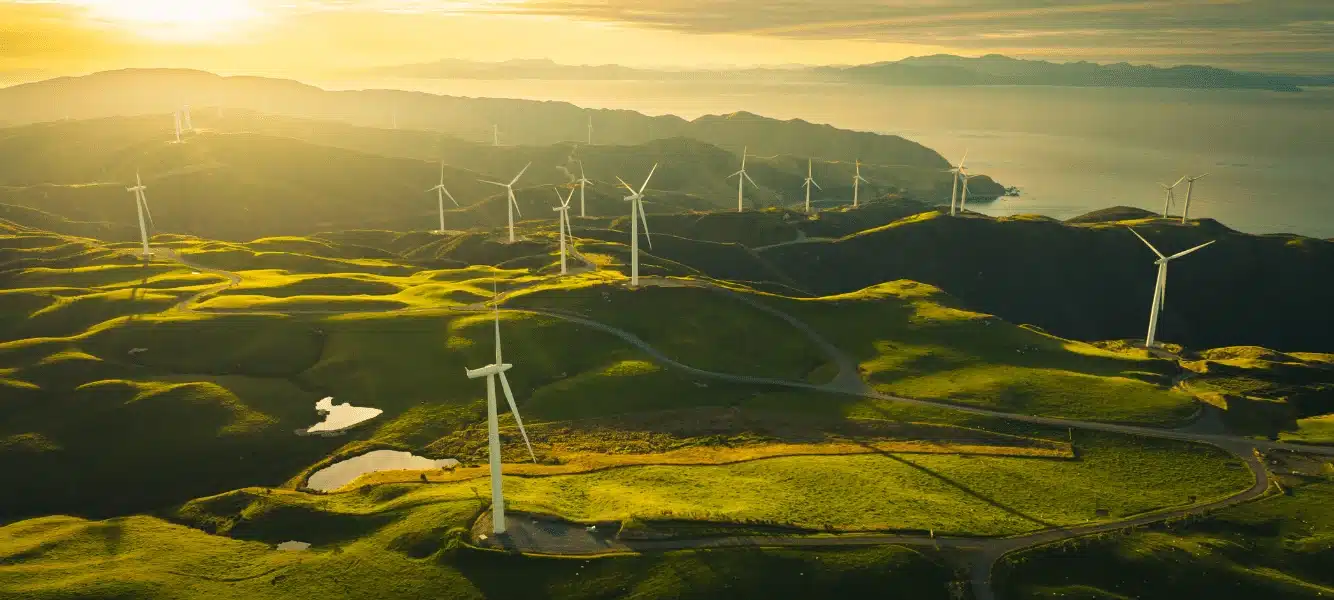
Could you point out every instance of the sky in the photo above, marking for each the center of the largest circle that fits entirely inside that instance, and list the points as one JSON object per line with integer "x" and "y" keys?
{"x": 41, "y": 38}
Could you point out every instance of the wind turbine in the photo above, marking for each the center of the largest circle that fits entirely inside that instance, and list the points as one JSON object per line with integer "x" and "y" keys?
{"x": 856, "y": 181}
{"x": 513, "y": 204}
{"x": 1190, "y": 187}
{"x": 958, "y": 172}
{"x": 590, "y": 133}
{"x": 490, "y": 372}
{"x": 810, "y": 182}
{"x": 742, "y": 178}
{"x": 582, "y": 181}
{"x": 440, "y": 193}
{"x": 188, "y": 125}
{"x": 495, "y": 135}
{"x": 177, "y": 115}
{"x": 141, "y": 204}
{"x": 636, "y": 200}
{"x": 563, "y": 214}
{"x": 1160, "y": 287}
{"x": 1167, "y": 203}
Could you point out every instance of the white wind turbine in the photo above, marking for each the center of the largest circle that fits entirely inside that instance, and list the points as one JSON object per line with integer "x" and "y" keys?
{"x": 958, "y": 171}
{"x": 809, "y": 182}
{"x": 177, "y": 115}
{"x": 563, "y": 214}
{"x": 512, "y": 204}
{"x": 742, "y": 178}
{"x": 1190, "y": 187}
{"x": 856, "y": 182}
{"x": 189, "y": 126}
{"x": 1160, "y": 287}
{"x": 590, "y": 133}
{"x": 440, "y": 193}
{"x": 636, "y": 200}
{"x": 1167, "y": 202}
{"x": 582, "y": 181}
{"x": 490, "y": 372}
{"x": 141, "y": 204}
{"x": 495, "y": 135}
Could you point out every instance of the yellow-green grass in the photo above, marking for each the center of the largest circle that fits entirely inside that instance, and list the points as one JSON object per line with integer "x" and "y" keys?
{"x": 912, "y": 340}
{"x": 1276, "y": 547}
{"x": 698, "y": 327}
{"x": 404, "y": 556}
{"x": 1312, "y": 430}
{"x": 980, "y": 495}
{"x": 1266, "y": 393}
{"x": 235, "y": 258}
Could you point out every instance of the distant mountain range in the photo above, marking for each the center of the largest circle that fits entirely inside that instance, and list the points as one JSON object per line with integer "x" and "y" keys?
{"x": 940, "y": 69}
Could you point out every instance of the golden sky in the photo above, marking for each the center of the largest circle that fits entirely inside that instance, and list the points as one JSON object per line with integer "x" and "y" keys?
{"x": 314, "y": 37}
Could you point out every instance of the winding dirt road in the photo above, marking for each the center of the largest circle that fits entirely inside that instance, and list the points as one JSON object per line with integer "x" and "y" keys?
{"x": 982, "y": 553}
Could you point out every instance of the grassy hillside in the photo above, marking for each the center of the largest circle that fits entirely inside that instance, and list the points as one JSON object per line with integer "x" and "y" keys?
{"x": 1267, "y": 393}
{"x": 913, "y": 340}
{"x": 411, "y": 554}
{"x": 1277, "y": 547}
{"x": 1094, "y": 281}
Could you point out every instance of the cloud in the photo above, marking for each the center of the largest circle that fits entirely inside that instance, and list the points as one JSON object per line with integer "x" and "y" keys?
{"x": 1185, "y": 27}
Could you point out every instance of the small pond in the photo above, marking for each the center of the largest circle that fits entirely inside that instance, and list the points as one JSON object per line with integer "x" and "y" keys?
{"x": 339, "y": 417}
{"x": 342, "y": 473}
{"x": 293, "y": 546}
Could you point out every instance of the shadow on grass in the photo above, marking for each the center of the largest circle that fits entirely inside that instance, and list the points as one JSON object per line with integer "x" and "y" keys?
{"x": 965, "y": 489}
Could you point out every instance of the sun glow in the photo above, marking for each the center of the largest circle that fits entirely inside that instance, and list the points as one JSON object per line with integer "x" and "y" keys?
{"x": 175, "y": 20}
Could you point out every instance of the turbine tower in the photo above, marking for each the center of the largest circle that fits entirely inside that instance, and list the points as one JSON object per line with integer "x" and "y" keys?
{"x": 856, "y": 181}
{"x": 810, "y": 182}
{"x": 636, "y": 200}
{"x": 177, "y": 115}
{"x": 440, "y": 193}
{"x": 563, "y": 215}
{"x": 590, "y": 133}
{"x": 742, "y": 178}
{"x": 490, "y": 372}
{"x": 958, "y": 171}
{"x": 1190, "y": 187}
{"x": 189, "y": 126}
{"x": 1167, "y": 202}
{"x": 512, "y": 204}
{"x": 495, "y": 135}
{"x": 582, "y": 181}
{"x": 1160, "y": 286}
{"x": 141, "y": 204}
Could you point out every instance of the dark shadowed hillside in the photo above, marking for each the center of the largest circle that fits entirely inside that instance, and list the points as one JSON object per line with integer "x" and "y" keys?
{"x": 1094, "y": 281}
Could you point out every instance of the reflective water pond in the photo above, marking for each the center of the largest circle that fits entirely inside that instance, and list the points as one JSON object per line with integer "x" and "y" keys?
{"x": 341, "y": 473}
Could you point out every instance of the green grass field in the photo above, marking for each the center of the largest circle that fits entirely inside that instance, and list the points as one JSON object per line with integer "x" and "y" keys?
{"x": 1276, "y": 547}
{"x": 408, "y": 555}
{"x": 1266, "y": 393}
{"x": 911, "y": 340}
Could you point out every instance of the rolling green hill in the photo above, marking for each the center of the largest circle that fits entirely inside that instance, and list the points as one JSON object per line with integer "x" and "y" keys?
{"x": 1093, "y": 281}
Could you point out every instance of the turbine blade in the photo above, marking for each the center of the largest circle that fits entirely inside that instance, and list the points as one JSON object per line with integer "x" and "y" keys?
{"x": 644, "y": 220}
{"x": 451, "y": 198}
{"x": 493, "y": 182}
{"x": 144, "y": 200}
{"x": 1185, "y": 252}
{"x": 965, "y": 158}
{"x": 509, "y": 397}
{"x": 515, "y": 201}
{"x": 752, "y": 181}
{"x": 516, "y": 177}
{"x": 627, "y": 186}
{"x": 495, "y": 307}
{"x": 650, "y": 176}
{"x": 817, "y": 186}
{"x": 1146, "y": 242}
{"x": 442, "y": 172}
{"x": 1178, "y": 182}
{"x": 735, "y": 174}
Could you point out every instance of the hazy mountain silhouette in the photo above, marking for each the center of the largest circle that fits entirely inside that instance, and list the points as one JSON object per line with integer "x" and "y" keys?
{"x": 939, "y": 69}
